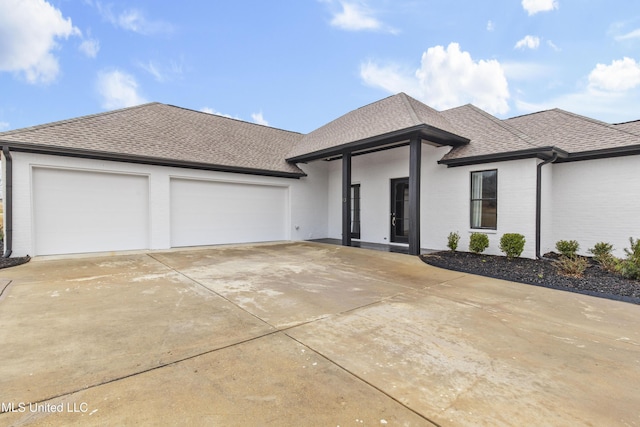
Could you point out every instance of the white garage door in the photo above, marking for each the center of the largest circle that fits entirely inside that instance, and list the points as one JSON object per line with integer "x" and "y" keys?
{"x": 84, "y": 211}
{"x": 206, "y": 213}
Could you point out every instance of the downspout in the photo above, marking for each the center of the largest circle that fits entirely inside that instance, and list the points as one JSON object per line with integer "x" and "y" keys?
{"x": 553, "y": 158}
{"x": 8, "y": 202}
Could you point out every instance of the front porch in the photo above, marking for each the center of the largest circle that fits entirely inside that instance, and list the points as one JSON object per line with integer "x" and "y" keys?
{"x": 400, "y": 249}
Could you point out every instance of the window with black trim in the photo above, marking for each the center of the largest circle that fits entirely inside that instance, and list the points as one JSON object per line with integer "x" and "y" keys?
{"x": 484, "y": 199}
{"x": 355, "y": 211}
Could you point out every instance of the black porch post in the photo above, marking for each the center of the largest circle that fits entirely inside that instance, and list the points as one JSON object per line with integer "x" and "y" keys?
{"x": 346, "y": 199}
{"x": 415, "y": 159}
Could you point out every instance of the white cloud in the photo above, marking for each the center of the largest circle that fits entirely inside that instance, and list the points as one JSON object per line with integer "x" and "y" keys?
{"x": 133, "y": 20}
{"x": 635, "y": 34}
{"x": 553, "y": 46}
{"x": 621, "y": 75}
{"x": 445, "y": 79}
{"x": 534, "y": 6}
{"x": 530, "y": 42}
{"x": 209, "y": 110}
{"x": 355, "y": 15}
{"x": 390, "y": 77}
{"x": 610, "y": 107}
{"x": 259, "y": 119}
{"x": 118, "y": 90}
{"x": 490, "y": 26}
{"x": 611, "y": 94}
{"x": 90, "y": 47}
{"x": 4, "y": 126}
{"x": 28, "y": 33}
{"x": 162, "y": 73}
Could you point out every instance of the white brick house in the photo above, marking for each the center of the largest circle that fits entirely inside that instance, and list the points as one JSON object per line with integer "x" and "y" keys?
{"x": 395, "y": 171}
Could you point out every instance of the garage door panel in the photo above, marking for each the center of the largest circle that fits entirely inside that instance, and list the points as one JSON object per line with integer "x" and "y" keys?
{"x": 206, "y": 212}
{"x": 84, "y": 211}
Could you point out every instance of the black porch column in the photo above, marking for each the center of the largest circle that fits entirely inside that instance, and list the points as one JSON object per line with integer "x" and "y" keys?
{"x": 346, "y": 199}
{"x": 415, "y": 160}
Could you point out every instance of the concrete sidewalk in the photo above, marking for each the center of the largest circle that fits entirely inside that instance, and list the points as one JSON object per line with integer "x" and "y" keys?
{"x": 305, "y": 334}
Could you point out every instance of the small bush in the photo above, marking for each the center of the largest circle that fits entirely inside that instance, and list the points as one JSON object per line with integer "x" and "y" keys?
{"x": 572, "y": 266}
{"x": 452, "y": 241}
{"x": 568, "y": 248}
{"x": 478, "y": 242}
{"x": 630, "y": 267}
{"x": 512, "y": 244}
{"x": 602, "y": 255}
{"x": 601, "y": 249}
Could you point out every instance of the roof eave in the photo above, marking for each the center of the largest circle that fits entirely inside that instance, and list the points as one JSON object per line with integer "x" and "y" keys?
{"x": 423, "y": 131}
{"x": 156, "y": 161}
{"x": 630, "y": 150}
{"x": 543, "y": 153}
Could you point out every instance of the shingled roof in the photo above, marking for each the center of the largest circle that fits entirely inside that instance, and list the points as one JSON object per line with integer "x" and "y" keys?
{"x": 488, "y": 135}
{"x": 581, "y": 137}
{"x": 168, "y": 135}
{"x": 631, "y": 127}
{"x": 389, "y": 120}
{"x": 575, "y": 134}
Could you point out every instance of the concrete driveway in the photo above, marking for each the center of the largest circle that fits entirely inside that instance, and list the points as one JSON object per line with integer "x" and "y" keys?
{"x": 305, "y": 334}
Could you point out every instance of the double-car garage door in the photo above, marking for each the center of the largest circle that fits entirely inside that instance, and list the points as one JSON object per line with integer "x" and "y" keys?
{"x": 79, "y": 211}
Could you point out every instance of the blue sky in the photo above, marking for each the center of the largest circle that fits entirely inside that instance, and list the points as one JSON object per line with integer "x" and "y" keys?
{"x": 297, "y": 64}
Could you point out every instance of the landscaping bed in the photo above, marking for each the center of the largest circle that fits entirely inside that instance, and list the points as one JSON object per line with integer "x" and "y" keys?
{"x": 10, "y": 262}
{"x": 595, "y": 281}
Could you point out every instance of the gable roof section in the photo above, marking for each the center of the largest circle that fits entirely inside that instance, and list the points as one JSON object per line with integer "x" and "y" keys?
{"x": 581, "y": 137}
{"x": 388, "y": 121}
{"x": 490, "y": 138}
{"x": 166, "y": 135}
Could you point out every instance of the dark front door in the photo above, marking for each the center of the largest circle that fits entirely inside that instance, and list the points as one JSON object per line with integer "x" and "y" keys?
{"x": 400, "y": 210}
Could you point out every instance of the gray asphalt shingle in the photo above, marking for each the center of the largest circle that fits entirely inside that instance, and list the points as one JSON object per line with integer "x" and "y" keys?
{"x": 388, "y": 115}
{"x": 169, "y": 133}
{"x": 160, "y": 131}
{"x": 571, "y": 132}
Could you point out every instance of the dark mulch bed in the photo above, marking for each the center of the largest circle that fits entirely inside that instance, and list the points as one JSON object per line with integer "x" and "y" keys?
{"x": 11, "y": 262}
{"x": 596, "y": 281}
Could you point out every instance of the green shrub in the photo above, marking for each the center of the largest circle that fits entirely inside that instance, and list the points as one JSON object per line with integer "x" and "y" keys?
{"x": 573, "y": 266}
{"x": 478, "y": 242}
{"x": 630, "y": 267}
{"x": 512, "y": 244}
{"x": 603, "y": 256}
{"x": 601, "y": 249}
{"x": 452, "y": 241}
{"x": 567, "y": 248}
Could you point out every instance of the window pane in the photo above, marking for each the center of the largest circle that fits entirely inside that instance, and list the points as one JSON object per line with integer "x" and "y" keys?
{"x": 476, "y": 214}
{"x": 489, "y": 214}
{"x": 355, "y": 211}
{"x": 489, "y": 190}
{"x": 484, "y": 196}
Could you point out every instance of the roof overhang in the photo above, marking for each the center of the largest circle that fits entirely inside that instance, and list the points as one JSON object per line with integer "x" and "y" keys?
{"x": 389, "y": 140}
{"x": 543, "y": 153}
{"x": 631, "y": 150}
{"x": 129, "y": 158}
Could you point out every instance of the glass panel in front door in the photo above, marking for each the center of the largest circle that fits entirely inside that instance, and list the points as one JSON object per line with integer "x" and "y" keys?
{"x": 400, "y": 211}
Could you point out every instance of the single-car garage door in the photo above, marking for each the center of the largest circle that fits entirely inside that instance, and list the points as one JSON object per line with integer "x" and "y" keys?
{"x": 212, "y": 212}
{"x": 79, "y": 211}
